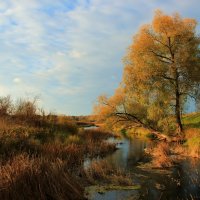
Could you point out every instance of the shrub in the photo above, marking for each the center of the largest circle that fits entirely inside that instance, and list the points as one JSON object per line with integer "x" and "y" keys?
{"x": 6, "y": 106}
{"x": 26, "y": 109}
{"x": 161, "y": 155}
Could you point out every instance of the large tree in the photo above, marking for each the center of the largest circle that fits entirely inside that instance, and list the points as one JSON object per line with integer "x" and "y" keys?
{"x": 162, "y": 69}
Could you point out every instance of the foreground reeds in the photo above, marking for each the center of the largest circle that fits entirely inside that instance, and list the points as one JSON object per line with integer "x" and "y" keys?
{"x": 36, "y": 178}
{"x": 41, "y": 156}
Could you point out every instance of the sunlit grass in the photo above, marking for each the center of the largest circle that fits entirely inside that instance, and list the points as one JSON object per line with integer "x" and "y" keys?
{"x": 191, "y": 120}
{"x": 106, "y": 173}
{"x": 194, "y": 146}
{"x": 192, "y": 133}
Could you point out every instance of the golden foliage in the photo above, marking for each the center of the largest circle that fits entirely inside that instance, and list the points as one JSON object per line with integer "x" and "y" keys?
{"x": 158, "y": 73}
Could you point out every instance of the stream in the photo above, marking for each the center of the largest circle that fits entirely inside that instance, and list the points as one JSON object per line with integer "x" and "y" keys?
{"x": 180, "y": 182}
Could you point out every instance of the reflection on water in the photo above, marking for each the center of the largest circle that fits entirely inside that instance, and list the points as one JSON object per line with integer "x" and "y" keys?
{"x": 188, "y": 174}
{"x": 116, "y": 195}
{"x": 90, "y": 127}
{"x": 181, "y": 182}
{"x": 128, "y": 154}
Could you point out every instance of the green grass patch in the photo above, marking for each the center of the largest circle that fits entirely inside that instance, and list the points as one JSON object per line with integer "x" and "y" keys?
{"x": 191, "y": 120}
{"x": 195, "y": 141}
{"x": 193, "y": 145}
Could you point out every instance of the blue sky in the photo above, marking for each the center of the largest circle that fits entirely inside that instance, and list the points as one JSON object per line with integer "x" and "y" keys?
{"x": 68, "y": 52}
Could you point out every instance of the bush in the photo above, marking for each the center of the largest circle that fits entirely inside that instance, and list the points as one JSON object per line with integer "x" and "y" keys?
{"x": 26, "y": 109}
{"x": 6, "y": 106}
{"x": 161, "y": 155}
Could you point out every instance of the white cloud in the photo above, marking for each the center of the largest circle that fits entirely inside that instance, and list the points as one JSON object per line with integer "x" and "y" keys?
{"x": 17, "y": 80}
{"x": 76, "y": 54}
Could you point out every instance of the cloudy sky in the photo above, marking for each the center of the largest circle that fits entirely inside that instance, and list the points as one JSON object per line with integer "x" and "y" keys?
{"x": 68, "y": 52}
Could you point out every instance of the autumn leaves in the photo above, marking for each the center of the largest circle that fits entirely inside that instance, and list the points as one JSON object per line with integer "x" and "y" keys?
{"x": 158, "y": 75}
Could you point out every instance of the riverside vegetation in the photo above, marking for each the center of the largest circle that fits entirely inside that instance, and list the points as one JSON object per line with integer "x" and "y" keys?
{"x": 41, "y": 156}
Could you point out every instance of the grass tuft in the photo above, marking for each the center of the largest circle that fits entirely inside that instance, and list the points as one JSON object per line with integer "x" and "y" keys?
{"x": 105, "y": 173}
{"x": 161, "y": 155}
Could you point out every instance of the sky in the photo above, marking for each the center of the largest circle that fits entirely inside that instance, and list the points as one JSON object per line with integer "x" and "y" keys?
{"x": 68, "y": 52}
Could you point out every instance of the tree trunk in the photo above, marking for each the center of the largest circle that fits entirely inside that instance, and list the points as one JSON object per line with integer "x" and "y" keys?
{"x": 177, "y": 106}
{"x": 178, "y": 113}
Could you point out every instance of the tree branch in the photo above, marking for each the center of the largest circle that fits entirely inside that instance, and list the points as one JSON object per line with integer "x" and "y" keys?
{"x": 168, "y": 78}
{"x": 161, "y": 56}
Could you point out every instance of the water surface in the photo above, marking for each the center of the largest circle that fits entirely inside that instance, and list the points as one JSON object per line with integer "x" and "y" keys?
{"x": 180, "y": 182}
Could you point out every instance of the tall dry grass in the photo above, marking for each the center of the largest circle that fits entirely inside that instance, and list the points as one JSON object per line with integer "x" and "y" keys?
{"x": 192, "y": 133}
{"x": 25, "y": 177}
{"x": 95, "y": 134}
{"x": 98, "y": 149}
{"x": 105, "y": 173}
{"x": 95, "y": 143}
{"x": 161, "y": 155}
{"x": 193, "y": 145}
{"x": 192, "y": 136}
